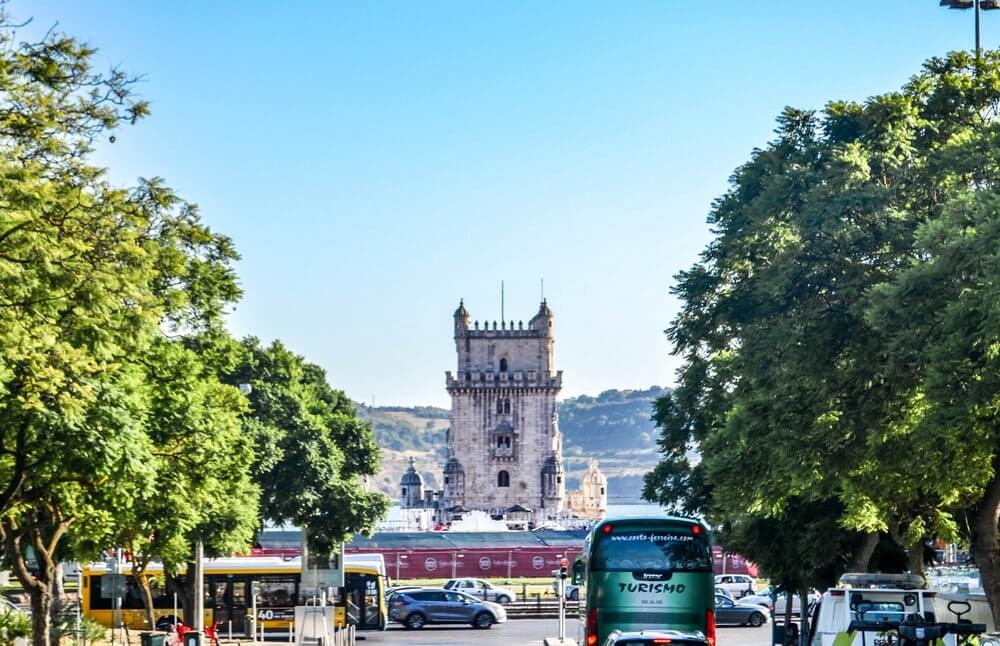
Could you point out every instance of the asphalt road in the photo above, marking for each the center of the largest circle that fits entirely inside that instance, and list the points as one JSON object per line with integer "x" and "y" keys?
{"x": 531, "y": 632}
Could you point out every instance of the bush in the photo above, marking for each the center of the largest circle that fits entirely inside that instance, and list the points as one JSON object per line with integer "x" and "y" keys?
{"x": 14, "y": 624}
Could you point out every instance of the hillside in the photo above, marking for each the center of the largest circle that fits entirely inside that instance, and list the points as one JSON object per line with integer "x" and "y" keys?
{"x": 613, "y": 427}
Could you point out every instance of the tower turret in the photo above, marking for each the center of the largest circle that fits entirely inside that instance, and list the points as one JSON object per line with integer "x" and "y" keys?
{"x": 461, "y": 318}
{"x": 411, "y": 487}
{"x": 542, "y": 321}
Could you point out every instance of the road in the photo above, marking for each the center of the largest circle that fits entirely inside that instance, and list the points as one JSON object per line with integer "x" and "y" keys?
{"x": 530, "y": 632}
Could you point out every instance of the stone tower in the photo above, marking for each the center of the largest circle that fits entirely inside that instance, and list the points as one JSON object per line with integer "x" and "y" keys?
{"x": 504, "y": 445}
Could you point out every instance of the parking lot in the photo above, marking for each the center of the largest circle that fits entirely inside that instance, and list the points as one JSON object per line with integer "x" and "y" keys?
{"x": 531, "y": 632}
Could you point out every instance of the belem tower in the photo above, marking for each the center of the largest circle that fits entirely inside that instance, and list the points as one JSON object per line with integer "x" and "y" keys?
{"x": 504, "y": 448}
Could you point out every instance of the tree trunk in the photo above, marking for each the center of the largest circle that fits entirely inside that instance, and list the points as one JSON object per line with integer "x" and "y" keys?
{"x": 863, "y": 554}
{"x": 915, "y": 557}
{"x": 142, "y": 580}
{"x": 985, "y": 547}
{"x": 58, "y": 602}
{"x": 804, "y": 617}
{"x": 41, "y": 603}
{"x": 789, "y": 596}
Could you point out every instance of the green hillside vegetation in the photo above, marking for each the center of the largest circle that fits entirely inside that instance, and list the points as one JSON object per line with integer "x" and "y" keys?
{"x": 421, "y": 428}
{"x": 614, "y": 421}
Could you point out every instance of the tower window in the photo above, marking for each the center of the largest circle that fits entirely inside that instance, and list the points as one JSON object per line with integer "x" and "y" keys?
{"x": 506, "y": 406}
{"x": 503, "y": 479}
{"x": 503, "y": 365}
{"x": 499, "y": 406}
{"x": 602, "y": 491}
{"x": 446, "y": 479}
{"x": 404, "y": 491}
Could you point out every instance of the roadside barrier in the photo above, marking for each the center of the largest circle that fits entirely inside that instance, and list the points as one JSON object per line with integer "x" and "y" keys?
{"x": 536, "y": 607}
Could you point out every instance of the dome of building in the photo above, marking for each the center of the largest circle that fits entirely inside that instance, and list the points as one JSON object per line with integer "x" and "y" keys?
{"x": 411, "y": 477}
{"x": 453, "y": 466}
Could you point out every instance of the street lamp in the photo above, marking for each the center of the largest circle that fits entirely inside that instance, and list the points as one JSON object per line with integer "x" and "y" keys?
{"x": 454, "y": 562}
{"x": 975, "y": 5}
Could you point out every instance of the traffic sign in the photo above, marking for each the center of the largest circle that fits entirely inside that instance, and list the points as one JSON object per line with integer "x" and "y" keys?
{"x": 112, "y": 586}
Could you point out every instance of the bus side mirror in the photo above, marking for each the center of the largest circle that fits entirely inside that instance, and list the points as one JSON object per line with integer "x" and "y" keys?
{"x": 577, "y": 573}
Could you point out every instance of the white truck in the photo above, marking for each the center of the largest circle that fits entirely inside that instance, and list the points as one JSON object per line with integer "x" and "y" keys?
{"x": 868, "y": 608}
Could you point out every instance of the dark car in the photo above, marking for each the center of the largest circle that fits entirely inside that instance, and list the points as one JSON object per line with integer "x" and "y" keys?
{"x": 741, "y": 614}
{"x": 649, "y": 637}
{"x": 417, "y": 608}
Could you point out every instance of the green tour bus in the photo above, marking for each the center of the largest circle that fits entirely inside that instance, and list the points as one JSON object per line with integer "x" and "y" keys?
{"x": 645, "y": 574}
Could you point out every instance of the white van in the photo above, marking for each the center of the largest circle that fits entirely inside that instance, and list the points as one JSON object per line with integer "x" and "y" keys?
{"x": 868, "y": 597}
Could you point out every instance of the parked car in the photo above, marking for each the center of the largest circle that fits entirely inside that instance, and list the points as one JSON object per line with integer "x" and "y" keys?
{"x": 763, "y": 598}
{"x": 570, "y": 591}
{"x": 417, "y": 608}
{"x": 723, "y": 592}
{"x": 649, "y": 637}
{"x": 739, "y": 584}
{"x": 393, "y": 591}
{"x": 738, "y": 613}
{"x": 481, "y": 590}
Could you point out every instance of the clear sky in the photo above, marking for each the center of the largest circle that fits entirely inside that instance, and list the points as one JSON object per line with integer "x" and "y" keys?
{"x": 376, "y": 161}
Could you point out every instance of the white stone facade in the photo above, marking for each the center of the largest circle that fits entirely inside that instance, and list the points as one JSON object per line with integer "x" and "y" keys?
{"x": 591, "y": 499}
{"x": 504, "y": 445}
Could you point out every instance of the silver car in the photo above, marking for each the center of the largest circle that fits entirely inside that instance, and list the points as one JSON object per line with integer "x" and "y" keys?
{"x": 417, "y": 608}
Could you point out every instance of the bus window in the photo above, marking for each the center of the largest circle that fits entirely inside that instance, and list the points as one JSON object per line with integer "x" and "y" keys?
{"x": 637, "y": 550}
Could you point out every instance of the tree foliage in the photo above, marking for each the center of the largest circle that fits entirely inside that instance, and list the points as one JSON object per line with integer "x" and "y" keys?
{"x": 313, "y": 453}
{"x": 837, "y": 332}
{"x": 92, "y": 279}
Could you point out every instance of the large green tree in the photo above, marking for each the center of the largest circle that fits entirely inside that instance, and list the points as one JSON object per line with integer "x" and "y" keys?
{"x": 201, "y": 462}
{"x": 313, "y": 453}
{"x": 795, "y": 366}
{"x": 92, "y": 276}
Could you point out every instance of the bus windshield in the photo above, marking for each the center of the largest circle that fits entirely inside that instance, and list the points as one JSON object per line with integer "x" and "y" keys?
{"x": 645, "y": 550}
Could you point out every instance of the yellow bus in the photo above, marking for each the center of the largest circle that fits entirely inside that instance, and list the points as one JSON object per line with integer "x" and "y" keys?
{"x": 229, "y": 595}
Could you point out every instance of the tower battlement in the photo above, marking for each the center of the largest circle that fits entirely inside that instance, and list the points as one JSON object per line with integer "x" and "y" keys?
{"x": 503, "y": 331}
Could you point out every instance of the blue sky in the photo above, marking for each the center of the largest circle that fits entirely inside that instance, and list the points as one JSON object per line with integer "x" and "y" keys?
{"x": 376, "y": 161}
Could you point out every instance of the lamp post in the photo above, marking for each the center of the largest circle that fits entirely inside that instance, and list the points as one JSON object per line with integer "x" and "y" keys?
{"x": 454, "y": 562}
{"x": 976, "y": 6}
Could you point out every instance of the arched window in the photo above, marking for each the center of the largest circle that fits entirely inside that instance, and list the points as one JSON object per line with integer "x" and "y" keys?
{"x": 503, "y": 479}
{"x": 499, "y": 407}
{"x": 503, "y": 365}
{"x": 506, "y": 406}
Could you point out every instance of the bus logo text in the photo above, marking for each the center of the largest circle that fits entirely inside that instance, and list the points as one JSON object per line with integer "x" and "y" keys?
{"x": 659, "y": 588}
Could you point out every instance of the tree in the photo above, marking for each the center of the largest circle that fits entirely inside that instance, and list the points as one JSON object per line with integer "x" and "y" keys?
{"x": 201, "y": 462}
{"x": 91, "y": 277}
{"x": 308, "y": 441}
{"x": 796, "y": 366}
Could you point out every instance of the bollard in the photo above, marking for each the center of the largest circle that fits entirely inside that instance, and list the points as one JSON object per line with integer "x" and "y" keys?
{"x": 538, "y": 602}
{"x": 524, "y": 590}
{"x": 230, "y": 630}
{"x": 291, "y": 632}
